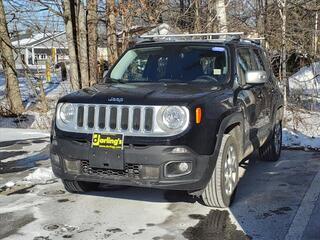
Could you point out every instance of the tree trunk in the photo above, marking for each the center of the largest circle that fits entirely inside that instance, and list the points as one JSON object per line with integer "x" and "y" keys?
{"x": 126, "y": 22}
{"x": 284, "y": 52}
{"x": 70, "y": 26}
{"x": 197, "y": 21}
{"x": 221, "y": 16}
{"x": 316, "y": 34}
{"x": 210, "y": 17}
{"x": 92, "y": 20}
{"x": 12, "y": 84}
{"x": 111, "y": 33}
{"x": 83, "y": 49}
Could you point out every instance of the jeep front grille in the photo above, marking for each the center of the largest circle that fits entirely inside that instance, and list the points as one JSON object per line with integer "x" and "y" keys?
{"x": 115, "y": 118}
{"x": 131, "y": 120}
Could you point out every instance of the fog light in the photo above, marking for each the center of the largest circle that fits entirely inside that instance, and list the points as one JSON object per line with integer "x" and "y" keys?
{"x": 72, "y": 166}
{"x": 55, "y": 159}
{"x": 176, "y": 169}
{"x": 179, "y": 150}
{"x": 183, "y": 167}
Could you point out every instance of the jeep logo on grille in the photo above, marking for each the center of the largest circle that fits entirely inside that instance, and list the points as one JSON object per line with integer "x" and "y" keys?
{"x": 115, "y": 99}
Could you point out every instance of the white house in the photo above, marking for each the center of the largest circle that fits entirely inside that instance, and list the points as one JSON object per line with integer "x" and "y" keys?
{"x": 36, "y": 49}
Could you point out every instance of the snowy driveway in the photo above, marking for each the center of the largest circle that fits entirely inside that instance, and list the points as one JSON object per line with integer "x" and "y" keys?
{"x": 273, "y": 201}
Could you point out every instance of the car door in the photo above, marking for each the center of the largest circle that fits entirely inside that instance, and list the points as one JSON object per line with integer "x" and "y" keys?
{"x": 267, "y": 88}
{"x": 254, "y": 98}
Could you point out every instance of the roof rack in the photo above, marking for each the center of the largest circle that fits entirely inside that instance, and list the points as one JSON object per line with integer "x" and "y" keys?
{"x": 227, "y": 35}
{"x": 255, "y": 40}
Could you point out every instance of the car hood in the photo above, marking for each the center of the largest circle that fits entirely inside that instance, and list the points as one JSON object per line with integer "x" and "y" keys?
{"x": 141, "y": 93}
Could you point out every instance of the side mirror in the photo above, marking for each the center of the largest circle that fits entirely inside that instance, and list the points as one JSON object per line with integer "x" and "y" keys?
{"x": 256, "y": 77}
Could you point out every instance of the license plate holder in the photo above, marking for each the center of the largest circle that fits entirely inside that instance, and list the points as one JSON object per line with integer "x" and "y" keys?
{"x": 106, "y": 151}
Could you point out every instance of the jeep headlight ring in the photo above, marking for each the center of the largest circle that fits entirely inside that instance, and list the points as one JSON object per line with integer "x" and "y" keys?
{"x": 172, "y": 118}
{"x": 67, "y": 113}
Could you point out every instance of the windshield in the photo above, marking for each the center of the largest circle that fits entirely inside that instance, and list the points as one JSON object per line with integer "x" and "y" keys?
{"x": 172, "y": 64}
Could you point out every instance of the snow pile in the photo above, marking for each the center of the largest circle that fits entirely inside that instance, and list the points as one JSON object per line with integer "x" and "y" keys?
{"x": 302, "y": 129}
{"x": 40, "y": 176}
{"x": 295, "y": 139}
{"x": 9, "y": 184}
{"x": 306, "y": 79}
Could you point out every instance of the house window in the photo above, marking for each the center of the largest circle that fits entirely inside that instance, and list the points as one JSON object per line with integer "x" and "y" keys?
{"x": 43, "y": 56}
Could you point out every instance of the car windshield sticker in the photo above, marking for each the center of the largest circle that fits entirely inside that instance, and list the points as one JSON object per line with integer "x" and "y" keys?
{"x": 216, "y": 71}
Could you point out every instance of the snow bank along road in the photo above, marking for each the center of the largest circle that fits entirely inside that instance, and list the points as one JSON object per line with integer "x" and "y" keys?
{"x": 273, "y": 201}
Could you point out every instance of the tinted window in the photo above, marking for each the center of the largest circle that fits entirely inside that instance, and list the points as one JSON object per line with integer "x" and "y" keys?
{"x": 172, "y": 64}
{"x": 258, "y": 60}
{"x": 245, "y": 62}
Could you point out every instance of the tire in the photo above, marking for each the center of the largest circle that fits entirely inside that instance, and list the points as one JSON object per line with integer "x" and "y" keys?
{"x": 79, "y": 186}
{"x": 218, "y": 193}
{"x": 271, "y": 150}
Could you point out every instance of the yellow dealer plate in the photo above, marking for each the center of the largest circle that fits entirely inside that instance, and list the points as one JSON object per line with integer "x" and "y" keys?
{"x": 107, "y": 141}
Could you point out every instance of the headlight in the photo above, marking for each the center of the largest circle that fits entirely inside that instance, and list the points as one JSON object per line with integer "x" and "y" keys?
{"x": 172, "y": 117}
{"x": 67, "y": 112}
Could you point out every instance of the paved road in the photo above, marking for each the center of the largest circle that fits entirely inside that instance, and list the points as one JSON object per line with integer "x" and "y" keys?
{"x": 273, "y": 201}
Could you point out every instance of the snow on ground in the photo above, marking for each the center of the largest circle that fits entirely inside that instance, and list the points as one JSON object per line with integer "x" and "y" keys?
{"x": 10, "y": 134}
{"x": 302, "y": 129}
{"x": 39, "y": 176}
{"x": 307, "y": 79}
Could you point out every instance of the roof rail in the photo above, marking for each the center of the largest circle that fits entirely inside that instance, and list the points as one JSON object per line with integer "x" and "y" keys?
{"x": 195, "y": 35}
{"x": 255, "y": 40}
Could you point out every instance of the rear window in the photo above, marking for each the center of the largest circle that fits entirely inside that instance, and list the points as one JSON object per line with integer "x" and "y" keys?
{"x": 172, "y": 64}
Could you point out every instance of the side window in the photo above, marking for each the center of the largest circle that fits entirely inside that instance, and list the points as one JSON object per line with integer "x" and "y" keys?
{"x": 245, "y": 62}
{"x": 258, "y": 60}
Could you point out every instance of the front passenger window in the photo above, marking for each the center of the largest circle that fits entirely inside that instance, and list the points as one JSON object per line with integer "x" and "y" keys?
{"x": 258, "y": 59}
{"x": 245, "y": 62}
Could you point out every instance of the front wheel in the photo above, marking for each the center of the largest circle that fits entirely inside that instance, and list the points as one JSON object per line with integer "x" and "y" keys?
{"x": 79, "y": 186}
{"x": 271, "y": 150}
{"x": 220, "y": 188}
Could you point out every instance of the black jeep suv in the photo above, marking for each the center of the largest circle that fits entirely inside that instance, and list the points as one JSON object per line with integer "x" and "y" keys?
{"x": 173, "y": 115}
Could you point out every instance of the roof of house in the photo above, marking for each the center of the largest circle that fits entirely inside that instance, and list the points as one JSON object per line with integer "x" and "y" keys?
{"x": 36, "y": 39}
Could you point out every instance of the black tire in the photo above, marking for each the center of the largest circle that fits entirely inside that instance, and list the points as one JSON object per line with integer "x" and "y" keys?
{"x": 216, "y": 194}
{"x": 271, "y": 149}
{"x": 79, "y": 186}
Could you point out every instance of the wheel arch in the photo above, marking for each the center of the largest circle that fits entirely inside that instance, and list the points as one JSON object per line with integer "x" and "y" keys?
{"x": 234, "y": 122}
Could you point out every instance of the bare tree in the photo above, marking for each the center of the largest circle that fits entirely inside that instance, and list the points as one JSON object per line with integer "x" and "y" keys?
{"x": 221, "y": 16}
{"x": 83, "y": 46}
{"x": 92, "y": 20}
{"x": 210, "y": 16}
{"x": 111, "y": 32}
{"x": 197, "y": 19}
{"x": 70, "y": 26}
{"x": 12, "y": 84}
{"x": 126, "y": 22}
{"x": 283, "y": 14}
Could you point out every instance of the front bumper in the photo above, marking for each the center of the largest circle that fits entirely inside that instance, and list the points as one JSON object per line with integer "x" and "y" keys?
{"x": 144, "y": 166}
